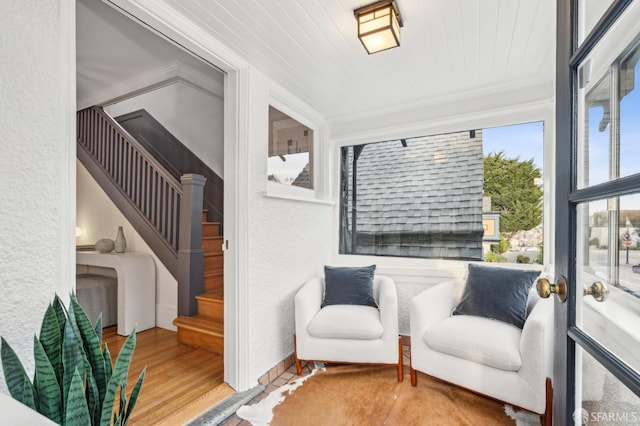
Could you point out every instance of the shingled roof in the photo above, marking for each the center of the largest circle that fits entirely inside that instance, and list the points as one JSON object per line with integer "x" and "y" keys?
{"x": 424, "y": 199}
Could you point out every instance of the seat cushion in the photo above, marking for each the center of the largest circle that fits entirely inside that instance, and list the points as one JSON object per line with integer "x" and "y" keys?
{"x": 496, "y": 293}
{"x": 345, "y": 285}
{"x": 482, "y": 340}
{"x": 346, "y": 322}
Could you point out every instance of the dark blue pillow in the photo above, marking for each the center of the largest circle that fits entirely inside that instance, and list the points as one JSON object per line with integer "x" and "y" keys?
{"x": 349, "y": 286}
{"x": 496, "y": 293}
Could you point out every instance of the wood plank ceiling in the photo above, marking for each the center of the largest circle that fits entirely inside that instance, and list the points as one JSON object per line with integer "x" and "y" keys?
{"x": 448, "y": 46}
{"x": 310, "y": 47}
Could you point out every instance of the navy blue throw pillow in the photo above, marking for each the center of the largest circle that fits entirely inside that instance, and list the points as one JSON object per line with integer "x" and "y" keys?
{"x": 349, "y": 286}
{"x": 496, "y": 293}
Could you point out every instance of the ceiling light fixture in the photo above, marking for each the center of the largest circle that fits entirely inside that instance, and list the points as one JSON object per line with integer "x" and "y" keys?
{"x": 379, "y": 25}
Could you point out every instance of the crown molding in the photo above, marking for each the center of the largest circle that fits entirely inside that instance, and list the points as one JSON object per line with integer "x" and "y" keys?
{"x": 420, "y": 115}
{"x": 154, "y": 79}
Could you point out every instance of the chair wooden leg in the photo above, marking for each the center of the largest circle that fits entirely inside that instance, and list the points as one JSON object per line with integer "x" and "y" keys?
{"x": 295, "y": 356}
{"x": 400, "y": 366}
{"x": 414, "y": 376}
{"x": 547, "y": 417}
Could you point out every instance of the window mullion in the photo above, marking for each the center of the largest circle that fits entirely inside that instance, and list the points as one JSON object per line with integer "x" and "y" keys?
{"x": 614, "y": 171}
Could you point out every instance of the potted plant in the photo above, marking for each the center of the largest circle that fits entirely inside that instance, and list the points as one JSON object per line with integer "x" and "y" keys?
{"x": 75, "y": 381}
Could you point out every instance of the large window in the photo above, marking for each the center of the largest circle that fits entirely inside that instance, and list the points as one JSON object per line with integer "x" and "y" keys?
{"x": 290, "y": 151}
{"x": 463, "y": 195}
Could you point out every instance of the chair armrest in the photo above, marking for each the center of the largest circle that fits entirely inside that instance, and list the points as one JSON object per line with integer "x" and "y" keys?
{"x": 536, "y": 343}
{"x": 431, "y": 306}
{"x": 307, "y": 302}
{"x": 387, "y": 299}
{"x": 434, "y": 304}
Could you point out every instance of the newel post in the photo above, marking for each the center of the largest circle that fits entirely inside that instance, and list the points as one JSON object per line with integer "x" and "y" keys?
{"x": 190, "y": 255}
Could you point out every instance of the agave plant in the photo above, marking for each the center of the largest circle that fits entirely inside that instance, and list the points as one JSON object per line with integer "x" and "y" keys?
{"x": 75, "y": 381}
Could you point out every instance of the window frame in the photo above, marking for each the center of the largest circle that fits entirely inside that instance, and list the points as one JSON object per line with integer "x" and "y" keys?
{"x": 310, "y": 119}
{"x": 539, "y": 111}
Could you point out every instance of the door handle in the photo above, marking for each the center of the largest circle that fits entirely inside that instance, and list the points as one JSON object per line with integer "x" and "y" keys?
{"x": 545, "y": 288}
{"x": 598, "y": 290}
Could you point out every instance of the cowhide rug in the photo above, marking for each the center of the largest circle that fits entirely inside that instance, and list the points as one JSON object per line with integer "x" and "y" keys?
{"x": 371, "y": 395}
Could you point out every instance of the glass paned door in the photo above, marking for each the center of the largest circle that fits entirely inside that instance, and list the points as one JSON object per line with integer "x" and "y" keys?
{"x": 604, "y": 399}
{"x": 604, "y": 218}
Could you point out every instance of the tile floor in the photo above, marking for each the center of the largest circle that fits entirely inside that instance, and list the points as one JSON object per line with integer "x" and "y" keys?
{"x": 290, "y": 375}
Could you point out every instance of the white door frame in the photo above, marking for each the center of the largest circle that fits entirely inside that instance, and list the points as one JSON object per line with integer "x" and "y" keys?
{"x": 173, "y": 26}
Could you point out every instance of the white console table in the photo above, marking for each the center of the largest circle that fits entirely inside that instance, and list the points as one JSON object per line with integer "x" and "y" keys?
{"x": 136, "y": 275}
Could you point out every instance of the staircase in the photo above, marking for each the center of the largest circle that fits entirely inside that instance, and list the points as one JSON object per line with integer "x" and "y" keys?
{"x": 163, "y": 200}
{"x": 206, "y": 329}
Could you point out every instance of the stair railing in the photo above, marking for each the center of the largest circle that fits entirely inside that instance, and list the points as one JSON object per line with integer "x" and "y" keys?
{"x": 165, "y": 212}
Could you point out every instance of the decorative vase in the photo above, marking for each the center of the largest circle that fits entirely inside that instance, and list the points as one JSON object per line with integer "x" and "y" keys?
{"x": 104, "y": 245}
{"x": 120, "y": 243}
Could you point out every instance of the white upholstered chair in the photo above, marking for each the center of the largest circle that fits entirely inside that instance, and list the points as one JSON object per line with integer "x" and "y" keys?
{"x": 484, "y": 355}
{"x": 347, "y": 333}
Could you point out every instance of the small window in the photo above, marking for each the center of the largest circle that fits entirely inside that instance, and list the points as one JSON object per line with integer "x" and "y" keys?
{"x": 290, "y": 151}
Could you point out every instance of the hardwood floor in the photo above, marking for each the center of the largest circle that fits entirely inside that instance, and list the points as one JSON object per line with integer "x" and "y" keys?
{"x": 180, "y": 382}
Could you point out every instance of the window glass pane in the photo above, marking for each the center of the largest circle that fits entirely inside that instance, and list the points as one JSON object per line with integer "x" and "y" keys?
{"x": 609, "y": 110}
{"x": 602, "y": 399}
{"x": 513, "y": 158}
{"x": 462, "y": 195}
{"x": 593, "y": 138}
{"x": 290, "y": 159}
{"x": 608, "y": 253}
{"x": 589, "y": 13}
{"x": 630, "y": 114}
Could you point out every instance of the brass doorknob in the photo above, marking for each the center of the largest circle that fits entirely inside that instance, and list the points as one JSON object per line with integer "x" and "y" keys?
{"x": 545, "y": 288}
{"x": 598, "y": 290}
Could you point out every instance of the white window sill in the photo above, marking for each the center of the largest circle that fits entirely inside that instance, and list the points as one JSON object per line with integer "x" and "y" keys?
{"x": 269, "y": 194}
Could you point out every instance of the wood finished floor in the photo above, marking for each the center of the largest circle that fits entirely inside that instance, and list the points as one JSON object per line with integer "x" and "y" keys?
{"x": 177, "y": 375}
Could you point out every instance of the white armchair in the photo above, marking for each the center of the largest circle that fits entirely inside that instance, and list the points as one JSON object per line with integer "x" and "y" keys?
{"x": 347, "y": 333}
{"x": 484, "y": 355}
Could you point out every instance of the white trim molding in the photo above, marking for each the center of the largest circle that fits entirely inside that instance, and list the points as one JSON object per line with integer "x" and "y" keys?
{"x": 176, "y": 28}
{"x": 157, "y": 78}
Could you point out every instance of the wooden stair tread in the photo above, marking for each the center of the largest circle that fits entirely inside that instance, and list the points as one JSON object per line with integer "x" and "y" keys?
{"x": 199, "y": 324}
{"x": 213, "y": 253}
{"x": 212, "y": 296}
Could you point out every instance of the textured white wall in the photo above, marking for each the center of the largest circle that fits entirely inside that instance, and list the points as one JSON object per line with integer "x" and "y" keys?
{"x": 98, "y": 218}
{"x": 288, "y": 244}
{"x": 193, "y": 116}
{"x": 36, "y": 166}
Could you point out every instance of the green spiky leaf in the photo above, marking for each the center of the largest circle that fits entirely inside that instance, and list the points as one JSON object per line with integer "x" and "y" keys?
{"x": 51, "y": 340}
{"x": 29, "y": 394}
{"x": 98, "y": 327}
{"x": 119, "y": 374}
{"x": 133, "y": 398}
{"x": 122, "y": 404}
{"x": 91, "y": 345}
{"x": 76, "y": 412}
{"x": 18, "y": 382}
{"x": 108, "y": 363}
{"x": 46, "y": 384}
{"x": 61, "y": 313}
{"x": 72, "y": 358}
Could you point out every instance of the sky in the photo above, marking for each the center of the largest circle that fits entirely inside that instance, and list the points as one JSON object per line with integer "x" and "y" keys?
{"x": 525, "y": 141}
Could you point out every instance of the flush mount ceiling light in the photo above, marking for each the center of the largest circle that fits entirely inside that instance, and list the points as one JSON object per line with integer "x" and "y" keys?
{"x": 379, "y": 26}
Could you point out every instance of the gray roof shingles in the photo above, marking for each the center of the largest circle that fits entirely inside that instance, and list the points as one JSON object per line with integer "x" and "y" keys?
{"x": 407, "y": 190}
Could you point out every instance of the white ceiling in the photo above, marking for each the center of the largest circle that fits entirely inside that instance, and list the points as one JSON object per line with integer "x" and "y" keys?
{"x": 311, "y": 48}
{"x": 115, "y": 55}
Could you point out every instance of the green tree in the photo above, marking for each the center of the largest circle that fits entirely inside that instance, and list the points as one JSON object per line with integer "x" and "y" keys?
{"x": 511, "y": 185}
